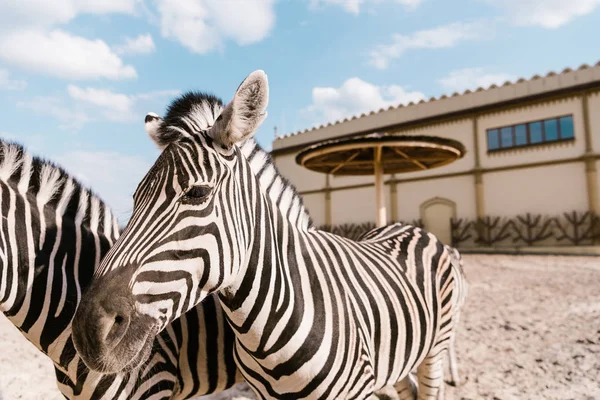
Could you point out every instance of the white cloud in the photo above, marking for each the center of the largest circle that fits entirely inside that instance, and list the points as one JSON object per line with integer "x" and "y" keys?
{"x": 204, "y": 25}
{"x": 111, "y": 174}
{"x": 29, "y": 38}
{"x": 157, "y": 94}
{"x": 101, "y": 97}
{"x": 444, "y": 36}
{"x": 546, "y": 13}
{"x": 353, "y": 6}
{"x": 7, "y": 83}
{"x": 472, "y": 78}
{"x": 44, "y": 13}
{"x": 36, "y": 144}
{"x": 143, "y": 44}
{"x": 69, "y": 117}
{"x": 117, "y": 107}
{"x": 94, "y": 104}
{"x": 354, "y": 97}
{"x": 62, "y": 54}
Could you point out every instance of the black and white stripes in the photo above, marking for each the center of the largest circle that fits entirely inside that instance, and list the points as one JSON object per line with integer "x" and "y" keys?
{"x": 53, "y": 233}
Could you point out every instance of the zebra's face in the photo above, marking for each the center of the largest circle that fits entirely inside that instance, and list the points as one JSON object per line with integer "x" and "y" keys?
{"x": 189, "y": 233}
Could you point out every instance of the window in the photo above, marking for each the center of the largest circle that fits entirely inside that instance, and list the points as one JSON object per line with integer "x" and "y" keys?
{"x": 551, "y": 130}
{"x": 520, "y": 135}
{"x": 506, "y": 137}
{"x": 566, "y": 127}
{"x": 532, "y": 133}
{"x": 493, "y": 142}
{"x": 535, "y": 133}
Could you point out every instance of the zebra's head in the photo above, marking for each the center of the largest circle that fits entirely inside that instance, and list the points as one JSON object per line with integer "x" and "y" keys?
{"x": 190, "y": 230}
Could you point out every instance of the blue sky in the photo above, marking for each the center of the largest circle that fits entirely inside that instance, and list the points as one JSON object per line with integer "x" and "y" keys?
{"x": 78, "y": 76}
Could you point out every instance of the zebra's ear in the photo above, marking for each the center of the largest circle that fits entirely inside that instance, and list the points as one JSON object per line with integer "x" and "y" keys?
{"x": 242, "y": 117}
{"x": 152, "y": 124}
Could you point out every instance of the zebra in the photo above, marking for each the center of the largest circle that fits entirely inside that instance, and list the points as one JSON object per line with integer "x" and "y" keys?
{"x": 315, "y": 315}
{"x": 53, "y": 234}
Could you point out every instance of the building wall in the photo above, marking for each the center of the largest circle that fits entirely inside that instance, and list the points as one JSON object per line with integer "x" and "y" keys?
{"x": 594, "y": 115}
{"x": 598, "y": 179}
{"x": 594, "y": 120}
{"x": 353, "y": 206}
{"x": 549, "y": 190}
{"x": 301, "y": 177}
{"x": 341, "y": 181}
{"x": 315, "y": 203}
{"x": 460, "y": 190}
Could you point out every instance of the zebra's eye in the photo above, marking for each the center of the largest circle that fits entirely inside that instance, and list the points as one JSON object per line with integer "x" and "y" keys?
{"x": 197, "y": 194}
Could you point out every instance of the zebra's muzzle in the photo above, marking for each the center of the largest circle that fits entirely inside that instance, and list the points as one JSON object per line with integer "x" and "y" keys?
{"x": 108, "y": 333}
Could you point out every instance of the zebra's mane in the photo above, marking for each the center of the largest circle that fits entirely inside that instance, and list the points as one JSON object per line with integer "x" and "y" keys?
{"x": 52, "y": 186}
{"x": 194, "y": 112}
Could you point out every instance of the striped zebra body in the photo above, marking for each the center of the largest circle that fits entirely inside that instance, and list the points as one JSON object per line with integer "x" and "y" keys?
{"x": 378, "y": 322}
{"x": 315, "y": 315}
{"x": 53, "y": 234}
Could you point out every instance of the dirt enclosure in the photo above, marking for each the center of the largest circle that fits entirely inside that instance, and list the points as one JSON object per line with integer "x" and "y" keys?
{"x": 530, "y": 330}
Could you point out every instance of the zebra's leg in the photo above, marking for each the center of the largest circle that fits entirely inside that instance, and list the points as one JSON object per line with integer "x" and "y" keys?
{"x": 430, "y": 374}
{"x": 441, "y": 394}
{"x": 452, "y": 364}
{"x": 386, "y": 393}
{"x": 407, "y": 388}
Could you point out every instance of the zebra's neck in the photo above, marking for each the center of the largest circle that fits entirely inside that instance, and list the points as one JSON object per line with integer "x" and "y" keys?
{"x": 48, "y": 219}
{"x": 273, "y": 256}
{"x": 279, "y": 191}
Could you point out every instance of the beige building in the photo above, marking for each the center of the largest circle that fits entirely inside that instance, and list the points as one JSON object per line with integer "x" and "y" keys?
{"x": 529, "y": 177}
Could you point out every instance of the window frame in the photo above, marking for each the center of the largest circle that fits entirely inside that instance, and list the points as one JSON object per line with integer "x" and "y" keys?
{"x": 544, "y": 141}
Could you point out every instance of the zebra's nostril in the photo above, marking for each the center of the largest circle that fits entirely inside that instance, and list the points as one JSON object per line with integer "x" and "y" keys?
{"x": 116, "y": 328}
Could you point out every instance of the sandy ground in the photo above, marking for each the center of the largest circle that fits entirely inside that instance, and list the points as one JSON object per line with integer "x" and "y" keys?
{"x": 25, "y": 372}
{"x": 530, "y": 330}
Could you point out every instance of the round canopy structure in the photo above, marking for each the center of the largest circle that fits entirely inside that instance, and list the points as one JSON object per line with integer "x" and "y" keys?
{"x": 378, "y": 154}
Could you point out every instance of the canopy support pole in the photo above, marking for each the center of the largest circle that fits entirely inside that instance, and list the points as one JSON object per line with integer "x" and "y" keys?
{"x": 379, "y": 190}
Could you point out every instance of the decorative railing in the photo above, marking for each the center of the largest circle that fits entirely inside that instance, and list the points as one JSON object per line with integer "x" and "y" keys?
{"x": 354, "y": 231}
{"x": 572, "y": 228}
{"x": 569, "y": 229}
{"x": 350, "y": 231}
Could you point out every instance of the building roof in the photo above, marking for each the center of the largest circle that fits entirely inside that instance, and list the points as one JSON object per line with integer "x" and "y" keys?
{"x": 395, "y": 117}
